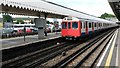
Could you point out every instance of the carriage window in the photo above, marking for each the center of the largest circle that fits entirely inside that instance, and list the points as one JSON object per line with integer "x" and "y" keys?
{"x": 99, "y": 24}
{"x": 95, "y": 24}
{"x": 64, "y": 25}
{"x": 74, "y": 25}
{"x": 89, "y": 25}
{"x": 92, "y": 24}
{"x": 69, "y": 25}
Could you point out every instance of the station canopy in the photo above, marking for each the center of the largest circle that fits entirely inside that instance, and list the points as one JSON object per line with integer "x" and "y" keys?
{"x": 43, "y": 7}
{"x": 115, "y": 5}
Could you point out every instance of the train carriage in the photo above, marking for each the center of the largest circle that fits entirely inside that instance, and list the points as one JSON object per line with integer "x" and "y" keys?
{"x": 78, "y": 28}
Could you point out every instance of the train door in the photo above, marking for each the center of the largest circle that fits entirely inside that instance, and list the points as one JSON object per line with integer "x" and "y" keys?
{"x": 95, "y": 26}
{"x": 101, "y": 25}
{"x": 83, "y": 28}
{"x": 86, "y": 24}
{"x": 90, "y": 28}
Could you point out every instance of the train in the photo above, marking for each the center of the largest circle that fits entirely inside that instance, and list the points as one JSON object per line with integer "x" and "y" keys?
{"x": 73, "y": 28}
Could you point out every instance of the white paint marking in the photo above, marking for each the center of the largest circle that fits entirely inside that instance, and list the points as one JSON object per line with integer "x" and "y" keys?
{"x": 101, "y": 59}
{"x": 117, "y": 50}
{"x": 117, "y": 57}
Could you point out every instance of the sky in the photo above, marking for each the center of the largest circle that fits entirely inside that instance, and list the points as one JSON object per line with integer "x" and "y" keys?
{"x": 92, "y": 7}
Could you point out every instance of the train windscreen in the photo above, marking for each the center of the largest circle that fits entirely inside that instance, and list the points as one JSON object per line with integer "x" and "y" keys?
{"x": 74, "y": 25}
{"x": 64, "y": 25}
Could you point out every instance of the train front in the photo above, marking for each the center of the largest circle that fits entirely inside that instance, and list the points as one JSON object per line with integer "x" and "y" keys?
{"x": 71, "y": 29}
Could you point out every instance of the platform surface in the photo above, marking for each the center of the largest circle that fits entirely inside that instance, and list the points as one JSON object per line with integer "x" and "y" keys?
{"x": 18, "y": 41}
{"x": 111, "y": 54}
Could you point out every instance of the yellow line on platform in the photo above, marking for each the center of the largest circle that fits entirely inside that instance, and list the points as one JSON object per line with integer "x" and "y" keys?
{"x": 107, "y": 64}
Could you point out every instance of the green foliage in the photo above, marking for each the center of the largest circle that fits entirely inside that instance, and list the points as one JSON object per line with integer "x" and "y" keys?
{"x": 7, "y": 18}
{"x": 20, "y": 21}
{"x": 106, "y": 15}
{"x": 48, "y": 22}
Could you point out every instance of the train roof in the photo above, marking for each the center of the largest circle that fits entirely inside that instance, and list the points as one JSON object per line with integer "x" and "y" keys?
{"x": 92, "y": 20}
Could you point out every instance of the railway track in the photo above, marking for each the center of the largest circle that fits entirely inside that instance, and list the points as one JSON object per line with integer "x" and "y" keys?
{"x": 40, "y": 56}
{"x": 15, "y": 52}
{"x": 82, "y": 55}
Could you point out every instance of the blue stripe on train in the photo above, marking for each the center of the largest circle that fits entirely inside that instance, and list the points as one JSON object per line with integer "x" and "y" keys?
{"x": 90, "y": 32}
{"x": 83, "y": 34}
{"x": 95, "y": 30}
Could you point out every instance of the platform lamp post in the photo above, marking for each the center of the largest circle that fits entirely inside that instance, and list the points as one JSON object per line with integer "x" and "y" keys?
{"x": 45, "y": 16}
{"x": 24, "y": 32}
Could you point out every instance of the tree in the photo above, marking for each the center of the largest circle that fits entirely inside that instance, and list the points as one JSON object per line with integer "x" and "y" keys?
{"x": 7, "y": 18}
{"x": 106, "y": 15}
{"x": 20, "y": 21}
{"x": 48, "y": 22}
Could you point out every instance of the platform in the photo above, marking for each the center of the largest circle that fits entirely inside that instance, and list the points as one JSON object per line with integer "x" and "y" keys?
{"x": 19, "y": 41}
{"x": 111, "y": 55}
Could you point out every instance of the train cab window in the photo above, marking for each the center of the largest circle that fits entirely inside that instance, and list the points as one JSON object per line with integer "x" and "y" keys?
{"x": 74, "y": 25}
{"x": 89, "y": 25}
{"x": 64, "y": 25}
{"x": 69, "y": 25}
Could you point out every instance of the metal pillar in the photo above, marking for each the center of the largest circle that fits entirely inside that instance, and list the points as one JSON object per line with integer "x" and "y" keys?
{"x": 40, "y": 33}
{"x": 45, "y": 28}
{"x": 40, "y": 23}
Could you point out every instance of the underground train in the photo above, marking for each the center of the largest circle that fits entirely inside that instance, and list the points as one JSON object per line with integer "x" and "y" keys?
{"x": 73, "y": 28}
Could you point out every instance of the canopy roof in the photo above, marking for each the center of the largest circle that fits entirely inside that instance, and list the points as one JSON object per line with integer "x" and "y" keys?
{"x": 115, "y": 5}
{"x": 41, "y": 7}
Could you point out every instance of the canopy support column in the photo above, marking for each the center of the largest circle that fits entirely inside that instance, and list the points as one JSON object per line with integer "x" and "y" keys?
{"x": 41, "y": 25}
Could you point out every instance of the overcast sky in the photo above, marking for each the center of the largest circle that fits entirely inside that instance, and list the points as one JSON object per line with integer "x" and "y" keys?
{"x": 93, "y": 7}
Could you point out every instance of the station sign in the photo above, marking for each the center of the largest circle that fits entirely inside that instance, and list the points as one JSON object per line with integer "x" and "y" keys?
{"x": 40, "y": 22}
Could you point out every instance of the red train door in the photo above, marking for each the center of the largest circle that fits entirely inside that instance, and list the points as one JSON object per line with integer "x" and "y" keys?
{"x": 86, "y": 23}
